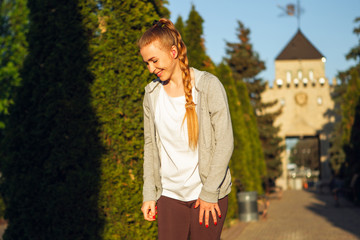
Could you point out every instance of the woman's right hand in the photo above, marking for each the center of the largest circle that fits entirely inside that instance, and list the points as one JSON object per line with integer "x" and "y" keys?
{"x": 148, "y": 209}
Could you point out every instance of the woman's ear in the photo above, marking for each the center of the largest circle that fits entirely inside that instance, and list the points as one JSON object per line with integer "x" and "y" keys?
{"x": 174, "y": 52}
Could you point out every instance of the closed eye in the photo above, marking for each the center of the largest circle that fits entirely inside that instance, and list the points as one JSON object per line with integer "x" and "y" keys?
{"x": 154, "y": 61}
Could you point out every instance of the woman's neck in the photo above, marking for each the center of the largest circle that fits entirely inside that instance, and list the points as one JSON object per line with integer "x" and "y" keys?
{"x": 176, "y": 78}
{"x": 175, "y": 86}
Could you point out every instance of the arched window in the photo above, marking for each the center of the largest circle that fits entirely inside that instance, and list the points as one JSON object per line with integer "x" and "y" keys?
{"x": 300, "y": 75}
{"x": 319, "y": 100}
{"x": 311, "y": 75}
{"x": 288, "y": 77}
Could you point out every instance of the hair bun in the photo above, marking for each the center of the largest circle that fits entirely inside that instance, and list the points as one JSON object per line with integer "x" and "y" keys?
{"x": 158, "y": 24}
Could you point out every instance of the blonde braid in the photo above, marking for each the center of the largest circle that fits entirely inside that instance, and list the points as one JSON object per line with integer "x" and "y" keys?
{"x": 190, "y": 115}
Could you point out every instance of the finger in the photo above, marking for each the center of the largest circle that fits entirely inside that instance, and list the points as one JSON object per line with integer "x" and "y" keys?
{"x": 152, "y": 211}
{"x": 197, "y": 203}
{"x": 144, "y": 209}
{"x": 201, "y": 216}
{"x": 207, "y": 218}
{"x": 148, "y": 213}
{"x": 213, "y": 214}
{"x": 217, "y": 208}
{"x": 150, "y": 216}
{"x": 144, "y": 212}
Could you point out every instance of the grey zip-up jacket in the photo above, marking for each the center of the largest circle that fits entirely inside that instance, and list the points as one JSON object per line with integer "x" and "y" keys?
{"x": 215, "y": 142}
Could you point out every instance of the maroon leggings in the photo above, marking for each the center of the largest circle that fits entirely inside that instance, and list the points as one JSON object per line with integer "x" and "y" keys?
{"x": 178, "y": 220}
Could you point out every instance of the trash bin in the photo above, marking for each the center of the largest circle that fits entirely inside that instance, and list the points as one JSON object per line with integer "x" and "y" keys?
{"x": 248, "y": 210}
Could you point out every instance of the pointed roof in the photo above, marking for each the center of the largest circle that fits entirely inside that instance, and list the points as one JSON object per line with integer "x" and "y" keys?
{"x": 299, "y": 47}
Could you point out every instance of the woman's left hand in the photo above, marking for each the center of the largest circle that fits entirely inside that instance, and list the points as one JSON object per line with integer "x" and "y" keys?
{"x": 206, "y": 208}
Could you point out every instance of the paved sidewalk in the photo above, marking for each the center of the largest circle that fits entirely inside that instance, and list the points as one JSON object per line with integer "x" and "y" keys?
{"x": 302, "y": 215}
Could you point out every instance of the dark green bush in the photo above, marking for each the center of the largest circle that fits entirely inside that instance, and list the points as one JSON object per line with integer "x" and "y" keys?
{"x": 117, "y": 95}
{"x": 247, "y": 163}
{"x": 51, "y": 162}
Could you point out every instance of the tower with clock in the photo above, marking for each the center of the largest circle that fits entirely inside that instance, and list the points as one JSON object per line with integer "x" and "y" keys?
{"x": 304, "y": 94}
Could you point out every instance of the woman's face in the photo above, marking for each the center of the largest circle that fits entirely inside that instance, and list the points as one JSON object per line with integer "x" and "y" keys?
{"x": 160, "y": 61}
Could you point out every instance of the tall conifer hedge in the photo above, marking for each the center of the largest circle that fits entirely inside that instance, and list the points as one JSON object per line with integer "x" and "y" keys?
{"x": 117, "y": 93}
{"x": 247, "y": 164}
{"x": 13, "y": 49}
{"x": 195, "y": 42}
{"x": 51, "y": 162}
{"x": 73, "y": 149}
{"x": 257, "y": 166}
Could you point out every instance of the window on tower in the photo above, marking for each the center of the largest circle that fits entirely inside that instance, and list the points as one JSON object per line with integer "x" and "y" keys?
{"x": 288, "y": 78}
{"x": 300, "y": 74}
{"x": 319, "y": 100}
{"x": 311, "y": 75}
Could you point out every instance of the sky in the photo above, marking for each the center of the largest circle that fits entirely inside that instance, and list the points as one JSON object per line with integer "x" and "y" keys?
{"x": 328, "y": 24}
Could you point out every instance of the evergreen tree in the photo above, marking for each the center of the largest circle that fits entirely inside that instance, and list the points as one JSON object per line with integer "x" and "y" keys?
{"x": 351, "y": 113}
{"x": 247, "y": 163}
{"x": 239, "y": 167}
{"x": 195, "y": 42}
{"x": 351, "y": 77}
{"x": 243, "y": 61}
{"x": 245, "y": 65}
{"x": 50, "y": 165}
{"x": 337, "y": 155}
{"x": 346, "y": 105}
{"x": 180, "y": 26}
{"x": 309, "y": 158}
{"x": 350, "y": 108}
{"x": 269, "y": 136}
{"x": 160, "y": 9}
{"x": 120, "y": 78}
{"x": 256, "y": 164}
{"x": 354, "y": 52}
{"x": 13, "y": 49}
{"x": 345, "y": 141}
{"x": 353, "y": 150}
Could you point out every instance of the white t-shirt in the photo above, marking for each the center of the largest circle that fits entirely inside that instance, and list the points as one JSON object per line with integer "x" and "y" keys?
{"x": 179, "y": 164}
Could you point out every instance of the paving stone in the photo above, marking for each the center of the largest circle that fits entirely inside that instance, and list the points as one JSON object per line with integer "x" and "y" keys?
{"x": 302, "y": 215}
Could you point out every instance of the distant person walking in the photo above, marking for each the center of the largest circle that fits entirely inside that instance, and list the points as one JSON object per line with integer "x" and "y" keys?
{"x": 188, "y": 141}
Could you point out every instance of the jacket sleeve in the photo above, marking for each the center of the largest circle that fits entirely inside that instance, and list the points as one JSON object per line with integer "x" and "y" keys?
{"x": 224, "y": 141}
{"x": 149, "y": 192}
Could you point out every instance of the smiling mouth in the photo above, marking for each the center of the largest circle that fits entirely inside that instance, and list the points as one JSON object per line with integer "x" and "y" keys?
{"x": 159, "y": 73}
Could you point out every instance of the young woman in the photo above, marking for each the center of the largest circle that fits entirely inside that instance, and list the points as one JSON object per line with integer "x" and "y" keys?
{"x": 188, "y": 141}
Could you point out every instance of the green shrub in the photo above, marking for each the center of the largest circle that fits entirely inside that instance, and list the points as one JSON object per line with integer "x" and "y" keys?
{"x": 51, "y": 152}
{"x": 117, "y": 95}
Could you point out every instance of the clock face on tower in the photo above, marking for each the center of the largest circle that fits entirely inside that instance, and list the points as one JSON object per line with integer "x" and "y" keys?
{"x": 301, "y": 98}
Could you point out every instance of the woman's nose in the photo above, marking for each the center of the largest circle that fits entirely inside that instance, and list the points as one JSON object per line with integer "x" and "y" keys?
{"x": 151, "y": 68}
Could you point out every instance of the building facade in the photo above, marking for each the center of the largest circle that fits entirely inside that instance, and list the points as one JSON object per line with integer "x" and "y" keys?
{"x": 303, "y": 93}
